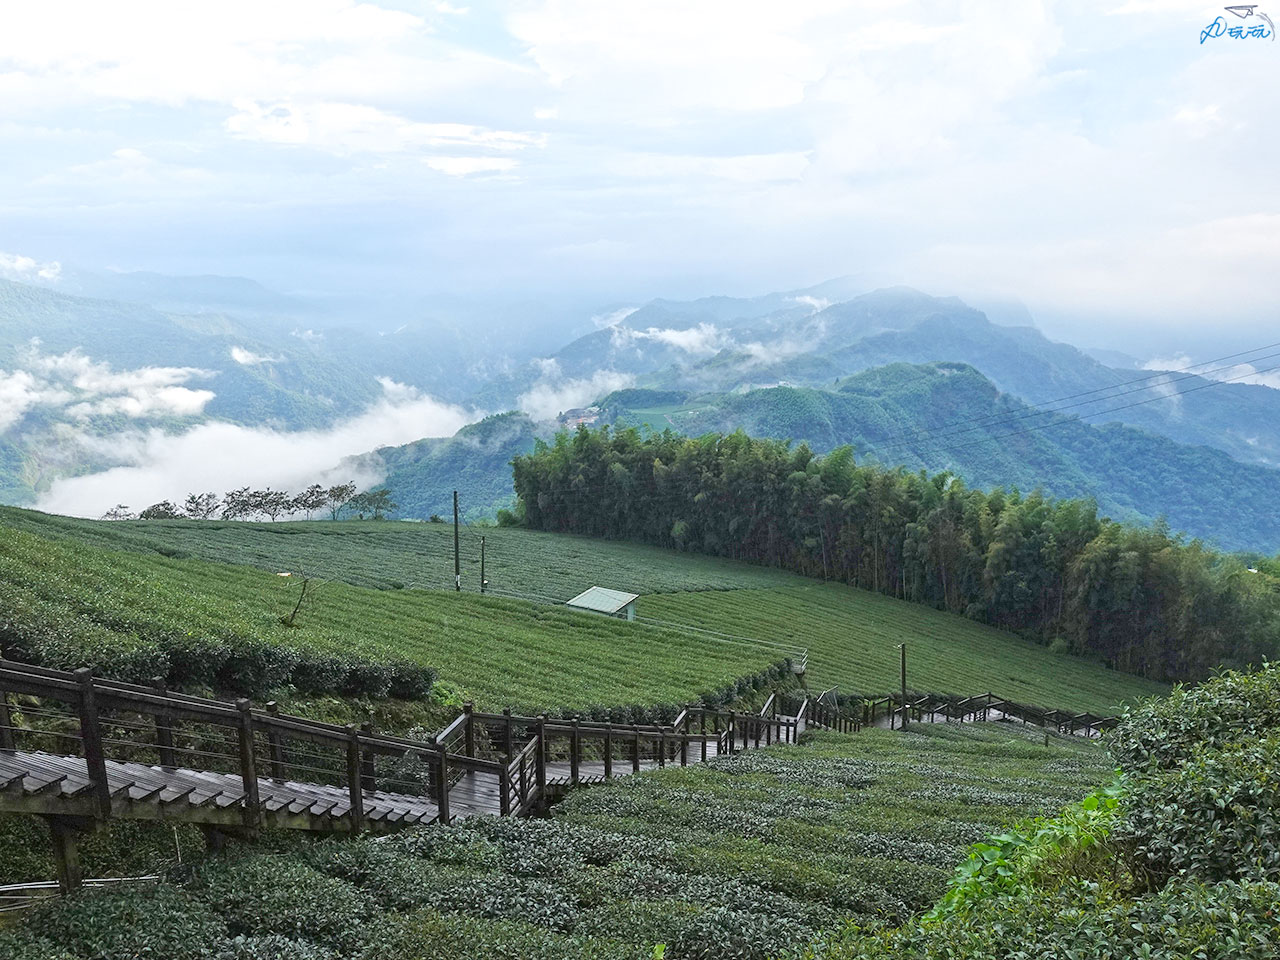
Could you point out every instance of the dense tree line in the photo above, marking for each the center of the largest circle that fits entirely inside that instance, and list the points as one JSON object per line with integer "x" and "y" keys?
{"x": 267, "y": 504}
{"x": 1139, "y": 598}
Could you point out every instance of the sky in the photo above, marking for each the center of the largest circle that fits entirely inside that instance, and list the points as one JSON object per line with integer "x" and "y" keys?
{"x": 1094, "y": 160}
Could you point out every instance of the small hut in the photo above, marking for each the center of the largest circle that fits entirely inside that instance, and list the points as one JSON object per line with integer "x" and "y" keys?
{"x": 612, "y": 603}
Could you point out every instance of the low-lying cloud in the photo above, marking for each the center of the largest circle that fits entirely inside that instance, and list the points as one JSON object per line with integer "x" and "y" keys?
{"x": 703, "y": 340}
{"x": 1262, "y": 375}
{"x": 79, "y": 387}
{"x": 552, "y": 395}
{"x": 156, "y": 466}
{"x": 14, "y": 266}
{"x": 247, "y": 358}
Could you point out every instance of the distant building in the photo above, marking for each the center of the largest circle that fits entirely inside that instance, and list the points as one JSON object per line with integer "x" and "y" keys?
{"x": 612, "y": 603}
{"x": 580, "y": 416}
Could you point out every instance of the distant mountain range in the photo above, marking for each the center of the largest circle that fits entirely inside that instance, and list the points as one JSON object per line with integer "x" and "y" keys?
{"x": 949, "y": 417}
{"x": 902, "y": 376}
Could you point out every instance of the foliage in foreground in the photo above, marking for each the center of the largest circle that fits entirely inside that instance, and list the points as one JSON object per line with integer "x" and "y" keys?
{"x": 744, "y": 857}
{"x": 1180, "y": 858}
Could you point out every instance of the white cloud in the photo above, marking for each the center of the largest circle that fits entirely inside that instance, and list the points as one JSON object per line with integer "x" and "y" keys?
{"x": 465, "y": 166}
{"x": 702, "y": 340}
{"x": 549, "y": 398}
{"x": 613, "y": 317}
{"x": 816, "y": 304}
{"x": 221, "y": 456}
{"x": 345, "y": 128}
{"x": 247, "y": 358}
{"x": 81, "y": 387}
{"x": 20, "y": 391}
{"x": 1260, "y": 373}
{"x": 14, "y": 266}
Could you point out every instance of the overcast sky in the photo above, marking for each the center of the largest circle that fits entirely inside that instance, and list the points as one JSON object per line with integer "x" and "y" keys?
{"x": 1095, "y": 160}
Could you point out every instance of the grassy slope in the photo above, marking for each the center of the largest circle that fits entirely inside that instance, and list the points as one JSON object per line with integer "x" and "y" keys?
{"x": 742, "y": 858}
{"x": 850, "y": 633}
{"x": 852, "y": 637}
{"x": 499, "y": 651}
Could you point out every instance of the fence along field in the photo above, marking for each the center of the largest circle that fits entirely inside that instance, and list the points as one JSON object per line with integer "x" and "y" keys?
{"x": 851, "y": 634}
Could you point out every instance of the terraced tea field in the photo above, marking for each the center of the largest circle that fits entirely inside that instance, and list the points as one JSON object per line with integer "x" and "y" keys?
{"x": 87, "y": 604}
{"x": 851, "y": 634}
{"x": 394, "y": 555}
{"x": 852, "y": 637}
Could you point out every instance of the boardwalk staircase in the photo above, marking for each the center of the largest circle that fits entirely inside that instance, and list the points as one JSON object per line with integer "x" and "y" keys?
{"x": 78, "y": 750}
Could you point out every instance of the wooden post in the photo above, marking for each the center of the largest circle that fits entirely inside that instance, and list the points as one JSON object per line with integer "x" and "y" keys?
{"x": 903, "y": 648}
{"x": 662, "y": 747}
{"x": 354, "y": 776}
{"x": 6, "y": 722}
{"x": 275, "y": 744}
{"x": 635, "y": 748}
{"x": 248, "y": 769}
{"x": 508, "y": 736}
{"x": 541, "y": 754}
{"x": 608, "y": 752}
{"x": 768, "y": 732}
{"x": 468, "y": 709}
{"x": 575, "y": 752}
{"x": 442, "y": 800}
{"x": 164, "y": 727}
{"x": 504, "y": 792}
{"x": 91, "y": 738}
{"x": 65, "y": 854}
{"x": 368, "y": 768}
{"x": 702, "y": 731}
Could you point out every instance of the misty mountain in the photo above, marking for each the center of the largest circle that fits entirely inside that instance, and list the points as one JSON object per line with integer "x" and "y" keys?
{"x": 659, "y": 335}
{"x": 948, "y": 416}
{"x": 814, "y": 345}
{"x": 476, "y": 462}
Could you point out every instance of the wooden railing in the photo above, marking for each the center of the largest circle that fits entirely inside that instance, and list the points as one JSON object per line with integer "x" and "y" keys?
{"x": 984, "y": 707}
{"x": 515, "y": 758}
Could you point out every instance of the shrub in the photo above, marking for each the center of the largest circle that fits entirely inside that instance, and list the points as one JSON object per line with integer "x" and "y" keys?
{"x": 159, "y": 921}
{"x": 277, "y": 894}
{"x": 1232, "y": 708}
{"x": 21, "y": 945}
{"x": 1226, "y": 921}
{"x": 1216, "y": 817}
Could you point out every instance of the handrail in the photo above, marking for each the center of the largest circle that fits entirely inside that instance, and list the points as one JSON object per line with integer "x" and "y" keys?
{"x": 767, "y": 704}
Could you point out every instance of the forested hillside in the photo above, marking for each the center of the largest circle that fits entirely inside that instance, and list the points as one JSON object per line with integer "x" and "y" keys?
{"x": 1138, "y": 598}
{"x": 948, "y": 416}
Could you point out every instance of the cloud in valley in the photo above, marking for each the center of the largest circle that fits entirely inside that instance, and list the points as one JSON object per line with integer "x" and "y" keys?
{"x": 80, "y": 387}
{"x": 222, "y": 456}
{"x": 1260, "y": 373}
{"x": 14, "y": 266}
{"x": 702, "y": 340}
{"x": 552, "y": 395}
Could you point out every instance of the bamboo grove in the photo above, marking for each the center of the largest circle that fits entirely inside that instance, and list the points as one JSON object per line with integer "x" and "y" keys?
{"x": 1140, "y": 599}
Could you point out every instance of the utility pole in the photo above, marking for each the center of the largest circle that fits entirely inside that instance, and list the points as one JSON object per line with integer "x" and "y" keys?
{"x": 457, "y": 562}
{"x": 903, "y": 647}
{"x": 483, "y": 581}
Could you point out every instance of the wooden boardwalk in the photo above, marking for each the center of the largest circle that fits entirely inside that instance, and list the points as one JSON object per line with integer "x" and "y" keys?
{"x": 77, "y": 750}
